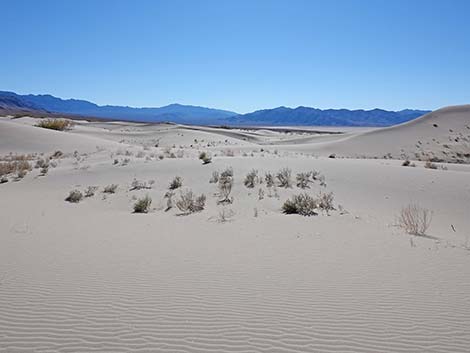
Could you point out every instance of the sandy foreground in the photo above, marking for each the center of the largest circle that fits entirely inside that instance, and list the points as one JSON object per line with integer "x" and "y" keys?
{"x": 242, "y": 277}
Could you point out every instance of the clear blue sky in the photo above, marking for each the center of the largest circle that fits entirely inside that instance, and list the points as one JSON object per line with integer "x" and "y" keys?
{"x": 240, "y": 55}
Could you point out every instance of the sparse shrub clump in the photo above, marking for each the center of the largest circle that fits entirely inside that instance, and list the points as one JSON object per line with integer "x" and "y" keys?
{"x": 55, "y": 124}
{"x": 176, "y": 183}
{"x": 225, "y": 186}
{"x": 15, "y": 166}
{"x": 251, "y": 179}
{"x": 214, "y": 178}
{"x": 269, "y": 178}
{"x": 75, "y": 196}
{"x": 284, "y": 178}
{"x": 90, "y": 191}
{"x": 430, "y": 165}
{"x": 414, "y": 219}
{"x": 189, "y": 203}
{"x": 302, "y": 204}
{"x": 139, "y": 185}
{"x": 143, "y": 205}
{"x": 303, "y": 180}
{"x": 205, "y": 158}
{"x": 325, "y": 202}
{"x": 110, "y": 189}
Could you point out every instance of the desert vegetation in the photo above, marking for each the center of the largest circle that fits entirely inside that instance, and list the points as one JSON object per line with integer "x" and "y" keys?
{"x": 190, "y": 203}
{"x": 284, "y": 177}
{"x": 55, "y": 124}
{"x": 414, "y": 219}
{"x": 306, "y": 205}
{"x": 225, "y": 186}
{"x": 142, "y": 205}
{"x": 176, "y": 183}
{"x": 205, "y": 158}
{"x": 75, "y": 196}
{"x": 251, "y": 179}
{"x": 110, "y": 189}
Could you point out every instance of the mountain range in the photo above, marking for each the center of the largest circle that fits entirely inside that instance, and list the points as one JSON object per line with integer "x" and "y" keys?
{"x": 11, "y": 102}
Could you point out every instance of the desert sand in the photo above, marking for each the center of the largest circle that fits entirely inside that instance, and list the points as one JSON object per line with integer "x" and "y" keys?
{"x": 93, "y": 276}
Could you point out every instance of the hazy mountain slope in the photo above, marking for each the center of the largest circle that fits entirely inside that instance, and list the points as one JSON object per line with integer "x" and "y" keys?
{"x": 328, "y": 117}
{"x": 174, "y": 112}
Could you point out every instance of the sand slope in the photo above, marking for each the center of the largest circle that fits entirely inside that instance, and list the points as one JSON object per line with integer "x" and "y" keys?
{"x": 94, "y": 277}
{"x": 442, "y": 135}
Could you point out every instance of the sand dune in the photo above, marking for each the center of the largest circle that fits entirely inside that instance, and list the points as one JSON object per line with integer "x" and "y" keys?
{"x": 94, "y": 277}
{"x": 441, "y": 135}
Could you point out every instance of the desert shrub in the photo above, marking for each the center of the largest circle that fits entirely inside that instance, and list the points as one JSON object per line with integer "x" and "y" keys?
{"x": 214, "y": 178}
{"x": 205, "y": 158}
{"x": 143, "y": 205}
{"x": 430, "y": 165}
{"x": 228, "y": 172}
{"x": 303, "y": 179}
{"x": 41, "y": 163}
{"x": 110, "y": 189}
{"x": 169, "y": 200}
{"x": 139, "y": 185}
{"x": 284, "y": 178}
{"x": 176, "y": 183}
{"x": 189, "y": 203}
{"x": 325, "y": 202}
{"x": 15, "y": 166}
{"x": 90, "y": 191}
{"x": 57, "y": 154}
{"x": 75, "y": 196}
{"x": 260, "y": 194}
{"x": 44, "y": 170}
{"x": 414, "y": 219}
{"x": 225, "y": 186}
{"x": 55, "y": 124}
{"x": 21, "y": 174}
{"x": 302, "y": 204}
{"x": 269, "y": 178}
{"x": 251, "y": 179}
{"x": 225, "y": 215}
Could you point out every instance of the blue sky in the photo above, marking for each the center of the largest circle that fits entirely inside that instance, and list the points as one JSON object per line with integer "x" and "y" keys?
{"x": 240, "y": 55}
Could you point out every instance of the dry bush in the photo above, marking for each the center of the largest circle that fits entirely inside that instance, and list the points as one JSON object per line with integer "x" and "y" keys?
{"x": 110, "y": 189}
{"x": 90, "y": 191}
{"x": 214, "y": 178}
{"x": 57, "y": 154}
{"x": 251, "y": 179}
{"x": 302, "y": 204}
{"x": 169, "y": 200}
{"x": 430, "y": 165}
{"x": 15, "y": 166}
{"x": 260, "y": 194}
{"x": 139, "y": 185}
{"x": 205, "y": 158}
{"x": 44, "y": 170}
{"x": 269, "y": 178}
{"x": 414, "y": 219}
{"x": 225, "y": 215}
{"x": 325, "y": 202}
{"x": 189, "y": 203}
{"x": 284, "y": 178}
{"x": 225, "y": 186}
{"x": 143, "y": 205}
{"x": 176, "y": 183}
{"x": 407, "y": 163}
{"x": 303, "y": 179}
{"x": 75, "y": 196}
{"x": 55, "y": 124}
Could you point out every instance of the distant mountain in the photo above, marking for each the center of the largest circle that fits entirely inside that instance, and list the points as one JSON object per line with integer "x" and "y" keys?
{"x": 188, "y": 114}
{"x": 174, "y": 112}
{"x": 329, "y": 117}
